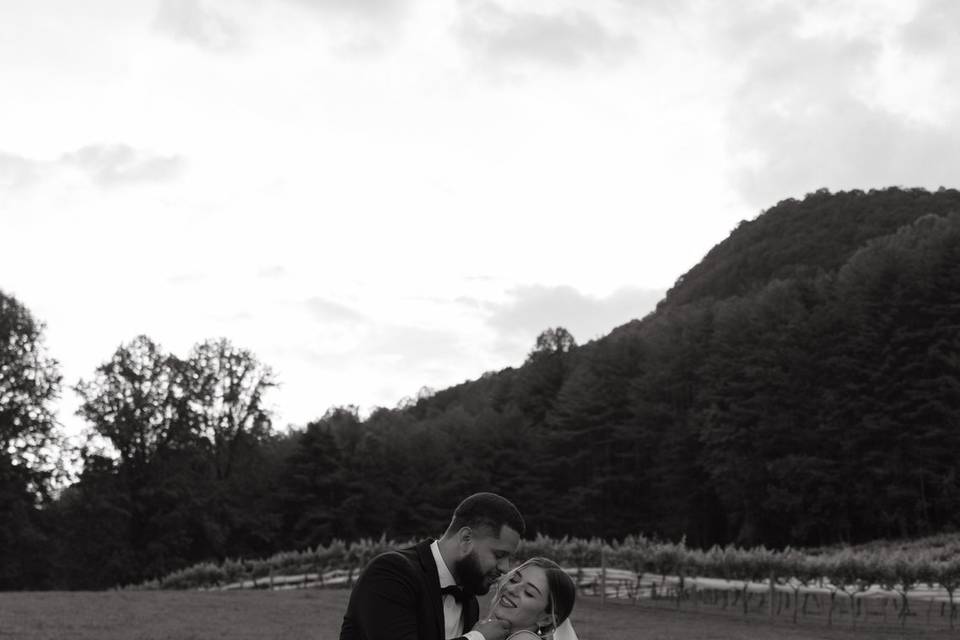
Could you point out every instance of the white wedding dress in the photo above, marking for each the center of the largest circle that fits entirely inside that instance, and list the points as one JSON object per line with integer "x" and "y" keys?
{"x": 564, "y": 632}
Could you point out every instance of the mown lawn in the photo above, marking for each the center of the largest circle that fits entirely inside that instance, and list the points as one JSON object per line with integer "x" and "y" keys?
{"x": 316, "y": 614}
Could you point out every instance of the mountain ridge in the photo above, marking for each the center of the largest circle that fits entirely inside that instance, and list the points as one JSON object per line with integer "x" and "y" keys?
{"x": 799, "y": 386}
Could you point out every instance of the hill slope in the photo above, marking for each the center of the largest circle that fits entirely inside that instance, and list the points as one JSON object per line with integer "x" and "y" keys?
{"x": 796, "y": 239}
{"x": 801, "y": 386}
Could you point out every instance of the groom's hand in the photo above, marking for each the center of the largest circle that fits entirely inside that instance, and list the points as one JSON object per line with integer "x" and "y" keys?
{"x": 493, "y": 629}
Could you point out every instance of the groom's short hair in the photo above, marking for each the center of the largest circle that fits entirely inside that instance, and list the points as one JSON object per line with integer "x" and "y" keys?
{"x": 487, "y": 510}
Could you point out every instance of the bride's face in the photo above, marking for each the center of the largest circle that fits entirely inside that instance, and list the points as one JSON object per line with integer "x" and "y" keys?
{"x": 522, "y": 599}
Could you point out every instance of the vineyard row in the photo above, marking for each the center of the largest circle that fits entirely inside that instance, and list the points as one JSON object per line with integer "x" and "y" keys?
{"x": 850, "y": 571}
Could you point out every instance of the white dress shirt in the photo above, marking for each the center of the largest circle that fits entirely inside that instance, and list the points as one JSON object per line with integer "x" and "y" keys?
{"x": 452, "y": 610}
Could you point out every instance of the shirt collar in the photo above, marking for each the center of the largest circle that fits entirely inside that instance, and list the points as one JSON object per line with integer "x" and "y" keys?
{"x": 446, "y": 578}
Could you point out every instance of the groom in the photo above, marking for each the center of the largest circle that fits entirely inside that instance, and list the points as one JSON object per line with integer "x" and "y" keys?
{"x": 428, "y": 592}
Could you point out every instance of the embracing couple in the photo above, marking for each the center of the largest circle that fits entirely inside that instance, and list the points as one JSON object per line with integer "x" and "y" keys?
{"x": 428, "y": 591}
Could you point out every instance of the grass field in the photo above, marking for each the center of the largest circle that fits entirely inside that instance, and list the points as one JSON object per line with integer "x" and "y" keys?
{"x": 316, "y": 614}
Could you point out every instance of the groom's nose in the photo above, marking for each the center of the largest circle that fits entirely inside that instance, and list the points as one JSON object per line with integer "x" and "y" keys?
{"x": 502, "y": 565}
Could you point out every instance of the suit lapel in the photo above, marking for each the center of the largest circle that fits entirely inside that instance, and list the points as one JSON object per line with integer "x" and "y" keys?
{"x": 471, "y": 613}
{"x": 433, "y": 585}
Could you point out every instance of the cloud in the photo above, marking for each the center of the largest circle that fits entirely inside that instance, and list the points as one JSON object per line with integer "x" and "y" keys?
{"x": 312, "y": 356}
{"x": 376, "y": 9}
{"x": 845, "y": 145}
{"x": 357, "y": 29}
{"x": 931, "y": 55}
{"x": 272, "y": 272}
{"x": 816, "y": 107}
{"x": 534, "y": 308}
{"x": 329, "y": 311}
{"x": 113, "y": 165}
{"x": 751, "y": 31}
{"x": 933, "y": 27}
{"x": 191, "y": 21}
{"x": 186, "y": 279}
{"x": 779, "y": 64}
{"x": 106, "y": 165}
{"x": 470, "y": 335}
{"x": 415, "y": 346}
{"x": 569, "y": 39}
{"x": 386, "y": 346}
{"x": 382, "y": 356}
{"x": 17, "y": 171}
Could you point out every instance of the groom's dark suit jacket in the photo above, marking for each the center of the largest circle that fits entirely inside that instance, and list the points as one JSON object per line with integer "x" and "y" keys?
{"x": 397, "y": 597}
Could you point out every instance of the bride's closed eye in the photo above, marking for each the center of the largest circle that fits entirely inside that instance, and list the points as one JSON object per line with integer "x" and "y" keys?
{"x": 515, "y": 578}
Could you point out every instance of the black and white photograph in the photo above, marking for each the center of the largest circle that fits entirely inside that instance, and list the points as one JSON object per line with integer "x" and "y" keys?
{"x": 479, "y": 319}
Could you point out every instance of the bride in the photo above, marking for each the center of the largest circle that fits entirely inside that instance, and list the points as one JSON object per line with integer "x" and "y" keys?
{"x": 536, "y": 600}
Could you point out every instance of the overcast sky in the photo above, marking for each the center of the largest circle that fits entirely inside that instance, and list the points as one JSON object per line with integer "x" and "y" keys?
{"x": 379, "y": 195}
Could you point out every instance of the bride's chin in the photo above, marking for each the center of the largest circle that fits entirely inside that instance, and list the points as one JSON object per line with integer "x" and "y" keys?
{"x": 500, "y": 614}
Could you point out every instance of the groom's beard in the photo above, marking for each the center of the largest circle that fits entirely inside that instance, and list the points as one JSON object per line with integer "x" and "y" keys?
{"x": 471, "y": 577}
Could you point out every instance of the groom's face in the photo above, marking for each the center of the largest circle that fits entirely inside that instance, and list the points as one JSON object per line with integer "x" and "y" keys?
{"x": 488, "y": 558}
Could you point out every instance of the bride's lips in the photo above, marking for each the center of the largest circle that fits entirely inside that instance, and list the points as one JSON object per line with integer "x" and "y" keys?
{"x": 507, "y": 602}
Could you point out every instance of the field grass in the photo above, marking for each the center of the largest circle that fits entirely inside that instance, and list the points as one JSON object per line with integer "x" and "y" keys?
{"x": 316, "y": 614}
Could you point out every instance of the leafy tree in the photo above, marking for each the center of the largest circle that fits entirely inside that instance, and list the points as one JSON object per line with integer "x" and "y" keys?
{"x": 135, "y": 402}
{"x": 30, "y": 443}
{"x": 551, "y": 341}
{"x": 224, "y": 388}
{"x": 180, "y": 430}
{"x": 29, "y": 385}
{"x": 543, "y": 373}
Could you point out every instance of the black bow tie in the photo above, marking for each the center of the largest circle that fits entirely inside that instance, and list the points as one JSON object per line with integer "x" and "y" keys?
{"x": 456, "y": 591}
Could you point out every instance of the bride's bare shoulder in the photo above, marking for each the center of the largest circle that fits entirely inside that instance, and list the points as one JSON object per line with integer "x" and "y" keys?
{"x": 523, "y": 635}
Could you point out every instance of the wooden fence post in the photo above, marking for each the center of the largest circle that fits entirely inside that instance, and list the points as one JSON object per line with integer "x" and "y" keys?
{"x": 773, "y": 593}
{"x": 603, "y": 577}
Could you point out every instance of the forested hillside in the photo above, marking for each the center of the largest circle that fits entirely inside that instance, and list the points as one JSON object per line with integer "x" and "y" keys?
{"x": 798, "y": 239}
{"x": 800, "y": 385}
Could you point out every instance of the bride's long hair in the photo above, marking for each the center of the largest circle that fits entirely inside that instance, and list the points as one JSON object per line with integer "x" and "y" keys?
{"x": 562, "y": 593}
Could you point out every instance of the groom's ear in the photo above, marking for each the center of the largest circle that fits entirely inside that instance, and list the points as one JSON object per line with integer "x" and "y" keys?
{"x": 465, "y": 540}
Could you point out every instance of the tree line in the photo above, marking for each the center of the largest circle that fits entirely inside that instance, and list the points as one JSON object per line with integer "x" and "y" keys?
{"x": 799, "y": 386}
